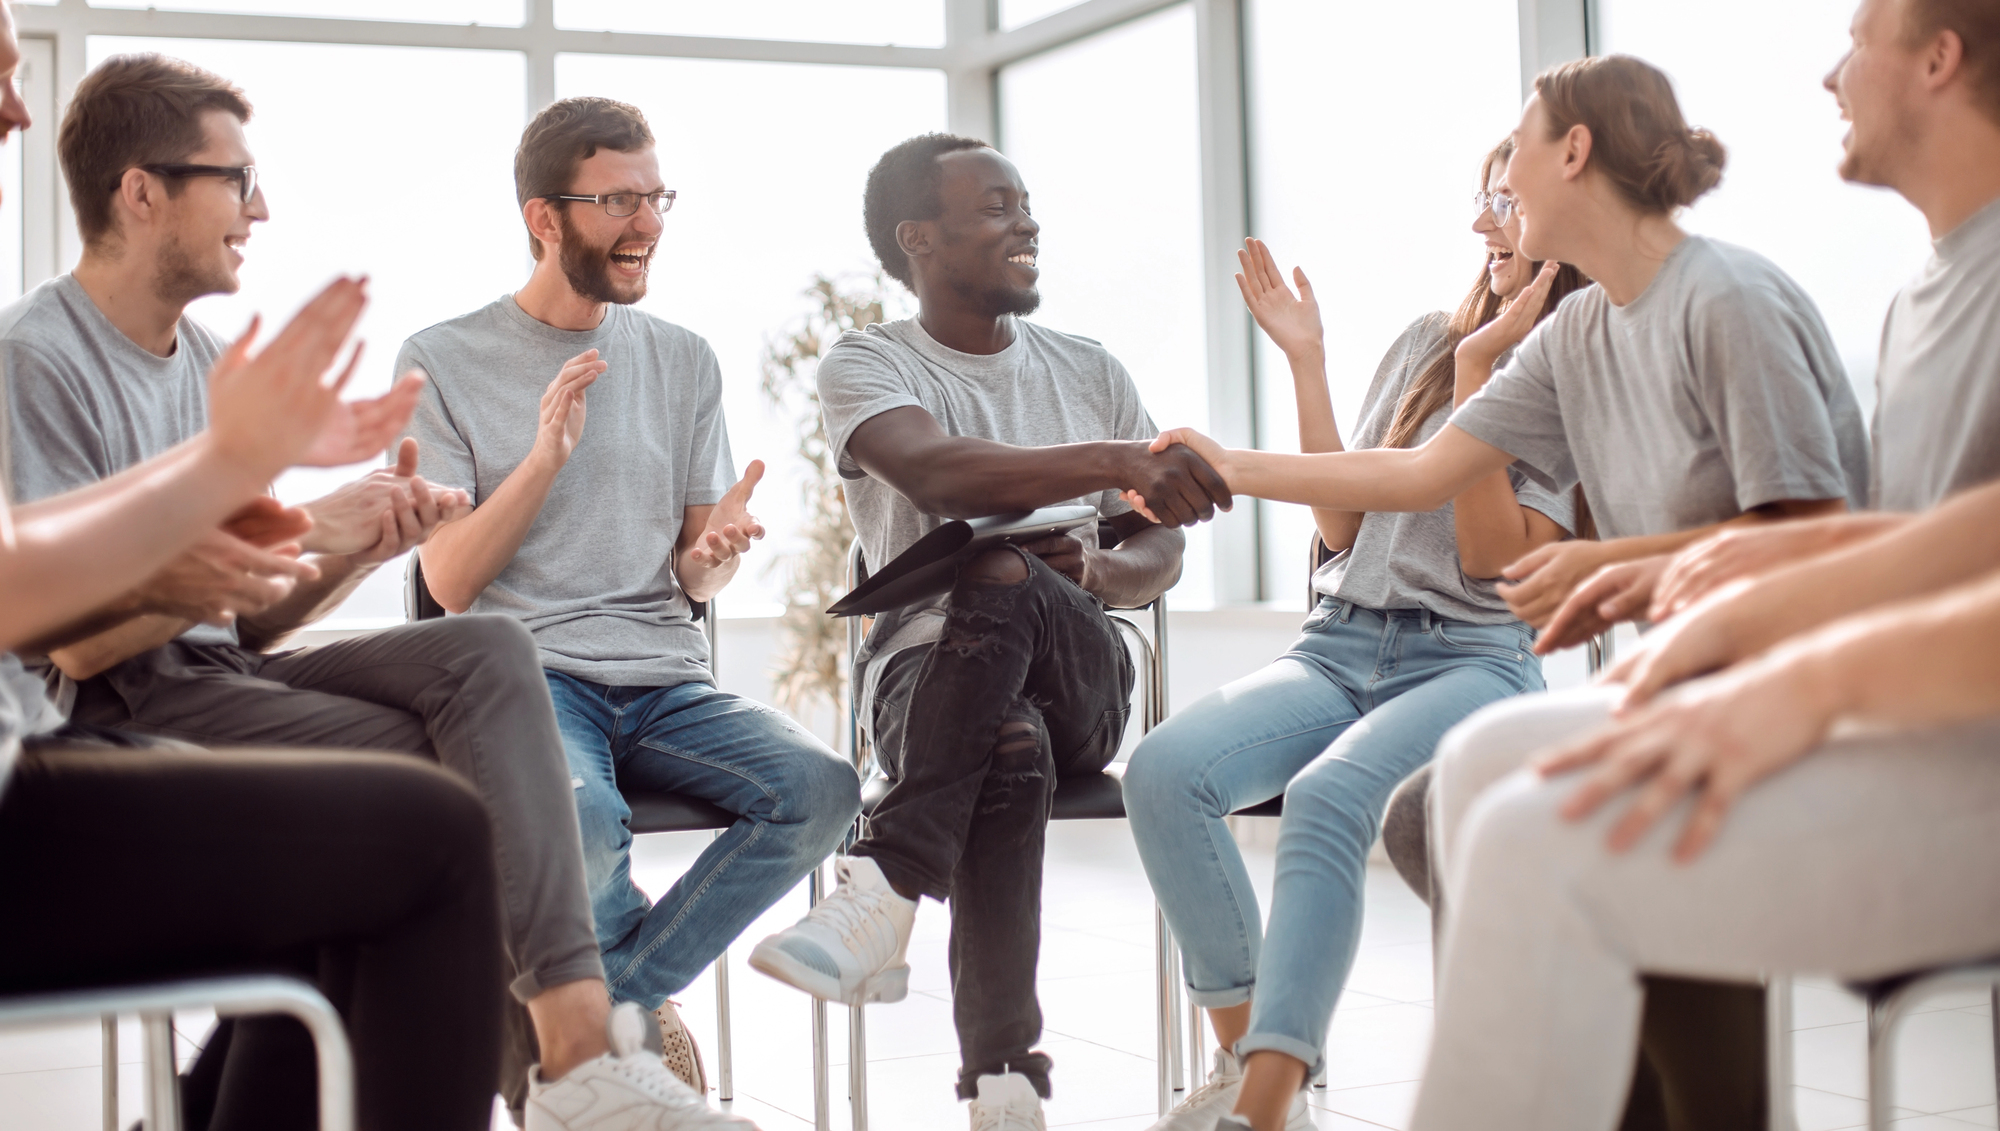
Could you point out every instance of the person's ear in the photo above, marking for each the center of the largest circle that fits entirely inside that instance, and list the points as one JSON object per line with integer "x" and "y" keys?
{"x": 136, "y": 197}
{"x": 1944, "y": 58}
{"x": 543, "y": 223}
{"x": 1576, "y": 151}
{"x": 914, "y": 237}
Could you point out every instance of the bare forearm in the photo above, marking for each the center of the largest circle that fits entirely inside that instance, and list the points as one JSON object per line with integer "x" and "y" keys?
{"x": 78, "y": 552}
{"x": 1140, "y": 568}
{"x": 965, "y": 477}
{"x": 95, "y": 654}
{"x": 1930, "y": 661}
{"x": 703, "y": 580}
{"x": 1373, "y": 479}
{"x": 462, "y": 558}
{"x": 308, "y": 602}
{"x": 1953, "y": 544}
{"x": 1319, "y": 432}
{"x": 1492, "y": 526}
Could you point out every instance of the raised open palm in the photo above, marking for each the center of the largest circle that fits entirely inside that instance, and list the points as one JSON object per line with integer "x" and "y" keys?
{"x": 1292, "y": 320}
{"x": 731, "y": 526}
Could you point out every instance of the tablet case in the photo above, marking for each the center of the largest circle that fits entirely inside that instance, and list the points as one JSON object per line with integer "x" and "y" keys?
{"x": 929, "y": 567}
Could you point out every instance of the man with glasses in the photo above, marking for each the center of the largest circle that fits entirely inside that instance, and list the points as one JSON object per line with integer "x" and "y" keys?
{"x": 105, "y": 370}
{"x": 601, "y": 539}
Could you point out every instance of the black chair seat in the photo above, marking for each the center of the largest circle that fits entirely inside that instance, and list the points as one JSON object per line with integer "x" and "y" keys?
{"x": 673, "y": 813}
{"x": 1094, "y": 797}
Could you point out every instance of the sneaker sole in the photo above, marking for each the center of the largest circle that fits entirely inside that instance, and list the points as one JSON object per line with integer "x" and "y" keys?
{"x": 887, "y": 986}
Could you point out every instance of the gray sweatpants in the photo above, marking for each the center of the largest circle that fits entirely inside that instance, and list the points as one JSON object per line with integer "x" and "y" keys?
{"x": 467, "y": 692}
{"x": 1872, "y": 856}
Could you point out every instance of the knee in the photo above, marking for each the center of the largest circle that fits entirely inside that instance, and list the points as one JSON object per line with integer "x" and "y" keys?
{"x": 1163, "y": 775}
{"x": 826, "y": 790}
{"x": 1001, "y": 566}
{"x": 492, "y": 637}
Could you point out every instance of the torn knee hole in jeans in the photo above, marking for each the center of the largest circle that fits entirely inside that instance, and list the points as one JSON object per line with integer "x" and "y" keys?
{"x": 969, "y": 632}
{"x": 1017, "y": 738}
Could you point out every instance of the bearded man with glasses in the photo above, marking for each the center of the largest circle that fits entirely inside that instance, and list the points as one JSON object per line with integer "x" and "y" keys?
{"x": 601, "y": 539}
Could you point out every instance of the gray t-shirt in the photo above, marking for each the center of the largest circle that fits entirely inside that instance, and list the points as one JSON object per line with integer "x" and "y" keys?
{"x": 1045, "y": 388}
{"x": 1410, "y": 561}
{"x": 594, "y": 578}
{"x": 25, "y": 710}
{"x": 1716, "y": 390}
{"x": 1937, "y": 409}
{"x": 86, "y": 402}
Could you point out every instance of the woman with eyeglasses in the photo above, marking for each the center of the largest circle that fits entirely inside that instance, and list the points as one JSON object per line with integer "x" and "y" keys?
{"x": 1408, "y": 638}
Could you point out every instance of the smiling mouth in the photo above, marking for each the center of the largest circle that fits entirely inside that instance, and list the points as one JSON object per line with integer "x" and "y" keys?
{"x": 1025, "y": 259}
{"x": 633, "y": 258}
{"x": 235, "y": 243}
{"x": 1496, "y": 257}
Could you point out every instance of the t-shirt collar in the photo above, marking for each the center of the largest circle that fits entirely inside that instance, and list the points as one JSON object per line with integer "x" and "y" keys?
{"x": 1977, "y": 231}
{"x": 510, "y": 309}
{"x": 919, "y": 339}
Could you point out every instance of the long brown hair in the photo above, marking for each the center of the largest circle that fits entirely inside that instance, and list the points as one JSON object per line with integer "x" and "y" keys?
{"x": 1432, "y": 390}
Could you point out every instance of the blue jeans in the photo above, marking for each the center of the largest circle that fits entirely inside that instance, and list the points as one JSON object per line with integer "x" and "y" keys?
{"x": 1357, "y": 704}
{"x": 794, "y": 800}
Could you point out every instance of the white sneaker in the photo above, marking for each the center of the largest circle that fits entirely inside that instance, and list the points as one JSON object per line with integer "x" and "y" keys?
{"x": 1210, "y": 1102}
{"x": 626, "y": 1089}
{"x": 678, "y": 1050}
{"x": 1007, "y": 1103}
{"x": 850, "y": 947}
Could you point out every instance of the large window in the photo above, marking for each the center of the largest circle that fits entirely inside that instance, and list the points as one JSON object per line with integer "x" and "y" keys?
{"x": 1363, "y": 165}
{"x": 1118, "y": 194}
{"x": 406, "y": 176}
{"x": 910, "y": 23}
{"x": 1750, "y": 70}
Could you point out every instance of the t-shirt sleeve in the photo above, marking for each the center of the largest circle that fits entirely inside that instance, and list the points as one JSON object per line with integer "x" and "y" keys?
{"x": 443, "y": 455}
{"x": 856, "y": 384}
{"x": 56, "y": 444}
{"x": 1753, "y": 355}
{"x": 711, "y": 468}
{"x": 1519, "y": 413}
{"x": 1408, "y": 356}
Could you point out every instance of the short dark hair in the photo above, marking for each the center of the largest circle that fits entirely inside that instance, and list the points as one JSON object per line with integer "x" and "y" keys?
{"x": 566, "y": 134}
{"x": 135, "y": 110}
{"x": 904, "y": 185}
{"x": 1977, "y": 23}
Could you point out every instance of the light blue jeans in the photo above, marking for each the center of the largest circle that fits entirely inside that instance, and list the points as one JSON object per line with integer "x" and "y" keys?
{"x": 793, "y": 797}
{"x": 1356, "y": 705}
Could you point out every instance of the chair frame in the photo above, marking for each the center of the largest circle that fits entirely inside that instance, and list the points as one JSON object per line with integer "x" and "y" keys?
{"x": 155, "y": 1004}
{"x": 1889, "y": 1002}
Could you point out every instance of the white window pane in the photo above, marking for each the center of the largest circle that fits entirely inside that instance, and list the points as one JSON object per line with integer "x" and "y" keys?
{"x": 423, "y": 203}
{"x": 1014, "y": 13}
{"x": 1363, "y": 167}
{"x": 1750, "y": 70}
{"x": 492, "y": 13}
{"x": 10, "y": 219}
{"x": 768, "y": 198}
{"x": 1106, "y": 133}
{"x": 910, "y": 23}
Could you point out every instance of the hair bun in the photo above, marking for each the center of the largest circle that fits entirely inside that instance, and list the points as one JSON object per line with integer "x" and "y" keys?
{"x": 1684, "y": 168}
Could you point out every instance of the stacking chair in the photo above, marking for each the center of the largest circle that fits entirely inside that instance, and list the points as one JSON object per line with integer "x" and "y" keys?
{"x": 655, "y": 812}
{"x": 1892, "y": 999}
{"x": 1093, "y": 797}
{"x": 228, "y": 997}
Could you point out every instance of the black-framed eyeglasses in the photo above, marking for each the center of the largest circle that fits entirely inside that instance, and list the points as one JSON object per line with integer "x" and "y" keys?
{"x": 1500, "y": 204}
{"x": 245, "y": 176}
{"x": 624, "y": 203}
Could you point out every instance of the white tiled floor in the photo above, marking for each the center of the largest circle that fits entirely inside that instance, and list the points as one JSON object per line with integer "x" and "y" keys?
{"x": 1098, "y": 999}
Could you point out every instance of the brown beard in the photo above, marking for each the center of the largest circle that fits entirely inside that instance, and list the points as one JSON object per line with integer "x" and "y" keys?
{"x": 588, "y": 268}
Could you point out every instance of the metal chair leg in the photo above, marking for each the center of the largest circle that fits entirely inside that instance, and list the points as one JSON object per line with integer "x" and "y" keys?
{"x": 1993, "y": 1010}
{"x": 1778, "y": 1046}
{"x": 163, "y": 1101}
{"x": 822, "y": 1100}
{"x": 1881, "y": 1067}
{"x": 725, "y": 1060}
{"x": 110, "y": 1099}
{"x": 857, "y": 1065}
{"x": 1164, "y": 1013}
{"x": 1196, "y": 1047}
{"x": 1175, "y": 1080}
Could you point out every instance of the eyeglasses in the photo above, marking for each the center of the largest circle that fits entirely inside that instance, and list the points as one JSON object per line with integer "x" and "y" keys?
{"x": 1500, "y": 204}
{"x": 625, "y": 203}
{"x": 245, "y": 176}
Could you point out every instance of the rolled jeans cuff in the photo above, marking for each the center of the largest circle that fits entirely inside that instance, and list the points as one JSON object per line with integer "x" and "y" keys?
{"x": 1219, "y": 999}
{"x": 532, "y": 983}
{"x": 1309, "y": 1054}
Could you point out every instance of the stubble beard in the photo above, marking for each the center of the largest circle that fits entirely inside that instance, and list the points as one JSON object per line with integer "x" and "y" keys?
{"x": 180, "y": 277}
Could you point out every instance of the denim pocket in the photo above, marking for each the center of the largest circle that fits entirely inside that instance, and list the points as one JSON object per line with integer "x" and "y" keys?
{"x": 1322, "y": 613}
{"x": 1505, "y": 641}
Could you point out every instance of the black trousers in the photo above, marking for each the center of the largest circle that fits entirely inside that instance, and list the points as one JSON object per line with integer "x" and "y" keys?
{"x": 1030, "y": 683}
{"x": 372, "y": 874}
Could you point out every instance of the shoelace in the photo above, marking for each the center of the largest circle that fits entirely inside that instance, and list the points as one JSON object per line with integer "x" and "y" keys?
{"x": 1002, "y": 1117}
{"x": 857, "y": 919}
{"x": 648, "y": 1075}
{"x": 1201, "y": 1095}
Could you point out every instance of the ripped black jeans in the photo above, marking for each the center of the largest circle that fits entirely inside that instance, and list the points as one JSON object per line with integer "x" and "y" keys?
{"x": 1029, "y": 683}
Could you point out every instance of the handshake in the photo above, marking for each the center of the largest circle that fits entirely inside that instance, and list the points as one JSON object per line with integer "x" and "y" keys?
{"x": 1179, "y": 479}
